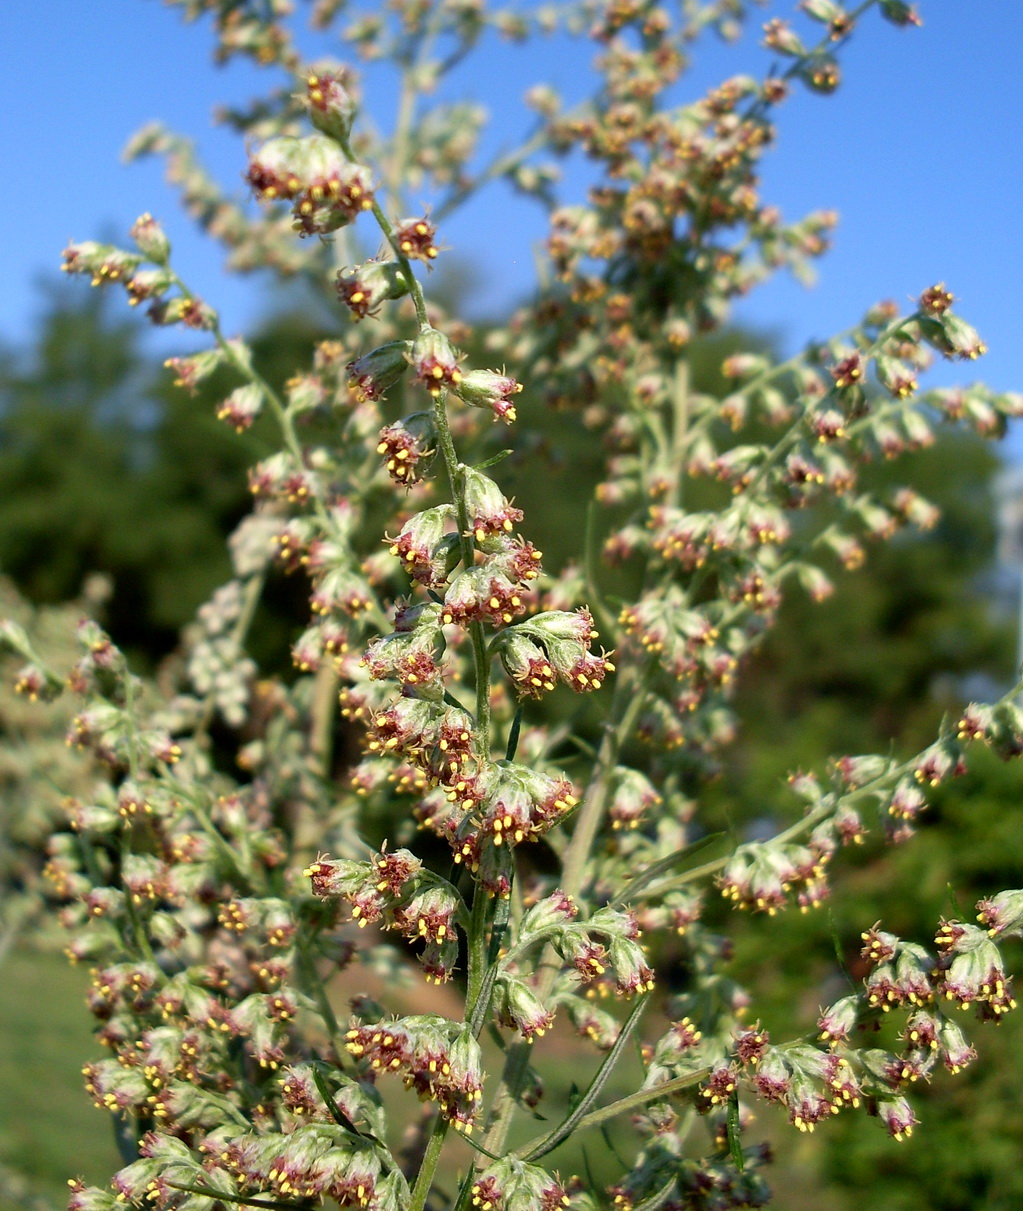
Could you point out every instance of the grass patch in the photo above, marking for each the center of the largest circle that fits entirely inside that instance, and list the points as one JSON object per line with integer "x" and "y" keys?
{"x": 49, "y": 1129}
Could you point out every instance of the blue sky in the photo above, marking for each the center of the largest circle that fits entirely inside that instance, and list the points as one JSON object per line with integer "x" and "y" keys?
{"x": 920, "y": 152}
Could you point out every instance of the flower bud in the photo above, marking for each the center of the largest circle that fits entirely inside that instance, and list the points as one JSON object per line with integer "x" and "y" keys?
{"x": 512, "y": 1185}
{"x": 328, "y": 191}
{"x": 825, "y": 11}
{"x": 191, "y": 371}
{"x": 241, "y": 407}
{"x": 330, "y": 105}
{"x": 147, "y": 284}
{"x": 897, "y": 1115}
{"x": 632, "y": 797}
{"x": 151, "y": 239}
{"x": 363, "y": 289}
{"x": 411, "y": 656}
{"x": 898, "y": 12}
{"x": 416, "y": 238}
{"x": 435, "y": 362}
{"x": 744, "y": 366}
{"x": 489, "y": 389}
{"x": 485, "y": 593}
{"x": 779, "y": 36}
{"x": 489, "y": 511}
{"x": 427, "y": 548}
{"x": 895, "y": 376}
{"x": 405, "y": 445}
{"x": 371, "y": 375}
{"x": 103, "y": 262}
{"x": 191, "y": 312}
{"x": 972, "y": 969}
{"x": 38, "y": 684}
{"x": 956, "y": 1053}
{"x": 278, "y": 168}
{"x": 821, "y": 74}
{"x": 552, "y": 912}
{"x": 962, "y": 337}
{"x": 951, "y": 336}
{"x": 936, "y": 300}
{"x": 1002, "y": 915}
{"x": 520, "y": 1007}
{"x": 526, "y": 663}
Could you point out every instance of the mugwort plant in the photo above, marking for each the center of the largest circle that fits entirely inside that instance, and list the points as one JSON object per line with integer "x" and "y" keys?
{"x": 485, "y": 765}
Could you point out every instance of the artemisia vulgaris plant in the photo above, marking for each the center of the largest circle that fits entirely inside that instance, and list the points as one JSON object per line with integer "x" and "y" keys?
{"x": 534, "y": 858}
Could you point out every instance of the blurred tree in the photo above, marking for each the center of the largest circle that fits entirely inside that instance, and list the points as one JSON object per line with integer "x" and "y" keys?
{"x": 108, "y": 467}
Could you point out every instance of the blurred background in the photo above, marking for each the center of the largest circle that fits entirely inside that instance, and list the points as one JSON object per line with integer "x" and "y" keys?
{"x": 105, "y": 468}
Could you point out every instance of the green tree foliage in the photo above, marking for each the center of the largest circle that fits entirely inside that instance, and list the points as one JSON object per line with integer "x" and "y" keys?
{"x": 107, "y": 467}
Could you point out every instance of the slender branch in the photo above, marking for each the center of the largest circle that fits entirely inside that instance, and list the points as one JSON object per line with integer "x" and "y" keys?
{"x": 533, "y": 1151}
{"x": 428, "y": 1168}
{"x": 275, "y": 1204}
{"x": 634, "y": 1101}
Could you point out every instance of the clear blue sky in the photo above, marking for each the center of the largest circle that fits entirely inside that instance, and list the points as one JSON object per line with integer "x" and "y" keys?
{"x": 920, "y": 152}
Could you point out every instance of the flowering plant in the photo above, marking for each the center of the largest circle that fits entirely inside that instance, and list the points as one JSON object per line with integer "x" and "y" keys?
{"x": 219, "y": 873}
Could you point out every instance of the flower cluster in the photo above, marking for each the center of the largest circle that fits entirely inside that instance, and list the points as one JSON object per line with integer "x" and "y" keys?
{"x": 397, "y": 892}
{"x": 431, "y": 1055}
{"x": 426, "y": 703}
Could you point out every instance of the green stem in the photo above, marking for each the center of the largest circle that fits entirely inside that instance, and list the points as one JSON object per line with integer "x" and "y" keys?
{"x": 630, "y": 689}
{"x": 428, "y": 1168}
{"x": 477, "y": 947}
{"x": 629, "y": 699}
{"x": 634, "y": 1101}
{"x": 534, "y": 1150}
{"x": 481, "y": 660}
{"x": 415, "y": 290}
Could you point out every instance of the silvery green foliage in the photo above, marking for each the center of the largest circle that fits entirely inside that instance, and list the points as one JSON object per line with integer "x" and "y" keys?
{"x": 218, "y": 910}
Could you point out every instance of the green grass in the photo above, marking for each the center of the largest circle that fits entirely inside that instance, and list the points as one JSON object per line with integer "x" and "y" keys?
{"x": 49, "y": 1129}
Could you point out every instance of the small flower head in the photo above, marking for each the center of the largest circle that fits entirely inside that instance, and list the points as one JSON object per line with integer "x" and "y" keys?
{"x": 486, "y": 593}
{"x": 151, "y": 239}
{"x": 407, "y": 447}
{"x": 416, "y": 238}
{"x": 526, "y": 664}
{"x": 326, "y": 190}
{"x": 434, "y": 361}
{"x": 489, "y": 389}
{"x": 1002, "y": 915}
{"x": 412, "y": 655}
{"x": 836, "y": 1023}
{"x": 102, "y": 262}
{"x": 848, "y": 372}
{"x": 936, "y": 300}
{"x": 632, "y": 797}
{"x": 971, "y": 970}
{"x": 364, "y": 289}
{"x": 717, "y": 1090}
{"x": 513, "y": 1185}
{"x": 330, "y": 105}
{"x": 372, "y": 375}
{"x": 428, "y": 546}
{"x": 490, "y": 513}
{"x": 898, "y": 12}
{"x": 241, "y": 407}
{"x": 520, "y": 1007}
{"x": 897, "y": 1115}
